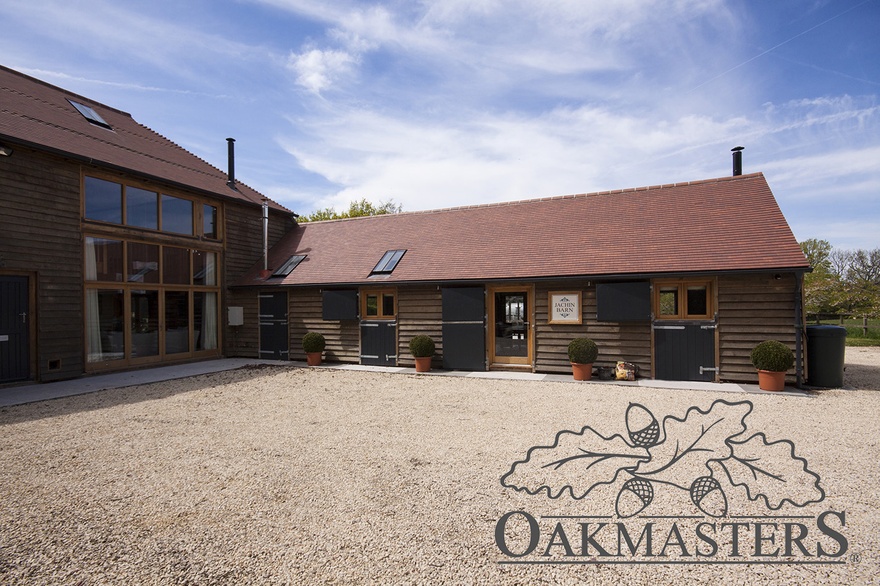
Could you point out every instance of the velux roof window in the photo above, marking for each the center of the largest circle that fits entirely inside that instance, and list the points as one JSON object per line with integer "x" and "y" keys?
{"x": 388, "y": 262}
{"x": 288, "y": 267}
{"x": 90, "y": 114}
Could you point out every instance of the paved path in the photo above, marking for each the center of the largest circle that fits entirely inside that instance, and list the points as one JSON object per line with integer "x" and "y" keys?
{"x": 31, "y": 393}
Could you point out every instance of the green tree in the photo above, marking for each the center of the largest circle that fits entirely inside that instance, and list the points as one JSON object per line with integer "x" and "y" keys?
{"x": 356, "y": 209}
{"x": 818, "y": 253}
{"x": 822, "y": 287}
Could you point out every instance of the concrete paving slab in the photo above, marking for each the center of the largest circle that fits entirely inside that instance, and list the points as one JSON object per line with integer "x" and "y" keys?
{"x": 30, "y": 393}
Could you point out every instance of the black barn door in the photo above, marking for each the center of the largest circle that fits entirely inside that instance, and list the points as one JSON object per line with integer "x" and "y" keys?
{"x": 685, "y": 351}
{"x": 274, "y": 338}
{"x": 14, "y": 339}
{"x": 464, "y": 328}
{"x": 379, "y": 342}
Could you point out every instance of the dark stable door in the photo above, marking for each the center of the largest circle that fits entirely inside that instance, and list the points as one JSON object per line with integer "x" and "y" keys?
{"x": 379, "y": 342}
{"x": 14, "y": 338}
{"x": 464, "y": 328}
{"x": 685, "y": 352}
{"x": 274, "y": 342}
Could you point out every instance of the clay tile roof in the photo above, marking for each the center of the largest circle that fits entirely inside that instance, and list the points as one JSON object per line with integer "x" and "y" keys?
{"x": 39, "y": 115}
{"x": 718, "y": 225}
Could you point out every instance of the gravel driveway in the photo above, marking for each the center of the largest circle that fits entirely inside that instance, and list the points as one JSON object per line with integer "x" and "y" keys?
{"x": 317, "y": 476}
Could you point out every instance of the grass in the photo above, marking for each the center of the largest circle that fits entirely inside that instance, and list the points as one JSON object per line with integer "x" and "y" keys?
{"x": 855, "y": 334}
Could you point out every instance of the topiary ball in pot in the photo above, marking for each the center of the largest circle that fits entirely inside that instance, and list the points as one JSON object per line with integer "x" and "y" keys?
{"x": 313, "y": 342}
{"x": 773, "y": 356}
{"x": 421, "y": 346}
{"x": 582, "y": 351}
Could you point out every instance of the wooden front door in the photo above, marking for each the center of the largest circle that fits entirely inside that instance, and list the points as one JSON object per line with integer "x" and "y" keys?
{"x": 379, "y": 327}
{"x": 14, "y": 329}
{"x": 684, "y": 330}
{"x": 510, "y": 334}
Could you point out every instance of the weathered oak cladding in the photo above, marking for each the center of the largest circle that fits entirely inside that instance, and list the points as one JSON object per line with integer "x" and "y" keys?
{"x": 244, "y": 236}
{"x": 243, "y": 341}
{"x": 616, "y": 341}
{"x": 751, "y": 309}
{"x": 40, "y": 235}
{"x": 306, "y": 315}
{"x": 419, "y": 311}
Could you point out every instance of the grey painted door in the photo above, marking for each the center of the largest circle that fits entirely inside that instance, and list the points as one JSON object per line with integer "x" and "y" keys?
{"x": 464, "y": 328}
{"x": 14, "y": 328}
{"x": 274, "y": 338}
{"x": 379, "y": 342}
{"x": 684, "y": 351}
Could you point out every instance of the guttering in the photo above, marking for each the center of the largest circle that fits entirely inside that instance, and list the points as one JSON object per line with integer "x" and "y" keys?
{"x": 484, "y": 280}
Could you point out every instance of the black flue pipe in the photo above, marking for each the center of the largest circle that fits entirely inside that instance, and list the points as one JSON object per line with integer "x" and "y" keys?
{"x": 737, "y": 160}
{"x": 230, "y": 181}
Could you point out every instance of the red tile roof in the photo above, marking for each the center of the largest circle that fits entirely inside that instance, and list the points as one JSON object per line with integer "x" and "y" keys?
{"x": 717, "y": 225}
{"x": 37, "y": 114}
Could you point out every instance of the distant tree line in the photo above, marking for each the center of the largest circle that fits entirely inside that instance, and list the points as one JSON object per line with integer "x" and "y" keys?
{"x": 356, "y": 209}
{"x": 843, "y": 281}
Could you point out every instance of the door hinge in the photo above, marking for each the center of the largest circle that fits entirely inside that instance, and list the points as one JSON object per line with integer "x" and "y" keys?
{"x": 712, "y": 327}
{"x": 705, "y": 369}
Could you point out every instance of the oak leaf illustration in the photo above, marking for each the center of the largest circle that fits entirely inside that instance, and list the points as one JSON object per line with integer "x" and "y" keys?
{"x": 576, "y": 463}
{"x": 691, "y": 443}
{"x": 771, "y": 471}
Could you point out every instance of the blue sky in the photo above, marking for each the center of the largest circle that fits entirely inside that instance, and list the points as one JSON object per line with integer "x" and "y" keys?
{"x": 459, "y": 102}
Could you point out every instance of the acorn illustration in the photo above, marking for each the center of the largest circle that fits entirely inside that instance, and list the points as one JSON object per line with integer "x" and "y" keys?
{"x": 644, "y": 431}
{"x": 709, "y": 497}
{"x": 634, "y": 496}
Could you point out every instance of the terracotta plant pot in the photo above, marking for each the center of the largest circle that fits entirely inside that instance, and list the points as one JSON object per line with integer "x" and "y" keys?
{"x": 771, "y": 381}
{"x": 582, "y": 371}
{"x": 423, "y": 364}
{"x": 313, "y": 358}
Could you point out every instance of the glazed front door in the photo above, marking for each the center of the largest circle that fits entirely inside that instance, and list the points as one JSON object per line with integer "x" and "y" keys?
{"x": 511, "y": 333}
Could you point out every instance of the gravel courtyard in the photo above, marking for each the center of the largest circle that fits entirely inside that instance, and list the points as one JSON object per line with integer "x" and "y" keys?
{"x": 315, "y": 476}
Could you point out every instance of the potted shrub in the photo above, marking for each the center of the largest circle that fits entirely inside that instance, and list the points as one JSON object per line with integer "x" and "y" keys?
{"x": 582, "y": 352}
{"x": 313, "y": 344}
{"x": 772, "y": 359}
{"x": 422, "y": 349}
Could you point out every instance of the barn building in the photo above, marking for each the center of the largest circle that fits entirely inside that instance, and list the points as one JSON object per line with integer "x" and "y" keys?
{"x": 116, "y": 244}
{"x": 119, "y": 249}
{"x": 682, "y": 280}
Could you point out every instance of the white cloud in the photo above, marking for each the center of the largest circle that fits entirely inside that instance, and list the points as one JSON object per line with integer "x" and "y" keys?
{"x": 316, "y": 70}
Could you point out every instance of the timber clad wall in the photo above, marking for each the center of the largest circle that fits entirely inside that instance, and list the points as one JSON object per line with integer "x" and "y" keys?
{"x": 419, "y": 311}
{"x": 752, "y": 309}
{"x": 343, "y": 337}
{"x": 244, "y": 248}
{"x": 242, "y": 341}
{"x": 616, "y": 341}
{"x": 40, "y": 235}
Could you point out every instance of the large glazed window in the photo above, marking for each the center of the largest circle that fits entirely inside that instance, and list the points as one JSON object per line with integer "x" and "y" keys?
{"x": 103, "y": 200}
{"x": 145, "y": 301}
{"x": 105, "y": 332}
{"x": 114, "y": 202}
{"x": 141, "y": 208}
{"x": 177, "y": 215}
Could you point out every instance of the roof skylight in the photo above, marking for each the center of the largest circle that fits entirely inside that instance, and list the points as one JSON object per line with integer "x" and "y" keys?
{"x": 388, "y": 262}
{"x": 288, "y": 267}
{"x": 90, "y": 114}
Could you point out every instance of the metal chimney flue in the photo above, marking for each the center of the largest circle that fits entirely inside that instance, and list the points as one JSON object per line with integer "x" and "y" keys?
{"x": 230, "y": 180}
{"x": 737, "y": 160}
